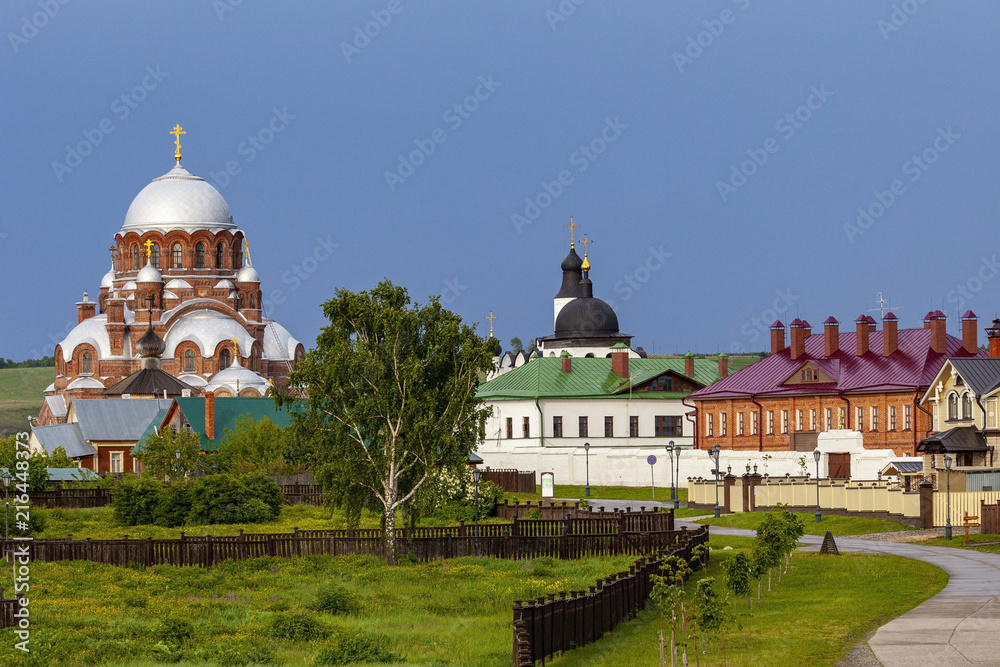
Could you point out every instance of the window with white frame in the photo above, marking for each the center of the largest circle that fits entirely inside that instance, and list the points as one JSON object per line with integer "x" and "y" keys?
{"x": 907, "y": 418}
{"x": 740, "y": 424}
{"x": 753, "y": 423}
{"x": 812, "y": 420}
{"x": 770, "y": 422}
{"x": 116, "y": 462}
{"x": 710, "y": 424}
{"x": 842, "y": 418}
{"x": 874, "y": 415}
{"x": 859, "y": 423}
{"x": 798, "y": 420}
{"x": 892, "y": 417}
{"x": 723, "y": 423}
{"x": 784, "y": 421}
{"x": 829, "y": 419}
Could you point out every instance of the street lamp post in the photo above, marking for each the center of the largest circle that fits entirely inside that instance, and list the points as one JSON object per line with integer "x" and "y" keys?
{"x": 586, "y": 449}
{"x": 677, "y": 457}
{"x": 177, "y": 454}
{"x": 714, "y": 455}
{"x": 816, "y": 455}
{"x": 6, "y": 493}
{"x": 947, "y": 521}
{"x": 670, "y": 453}
{"x": 476, "y": 474}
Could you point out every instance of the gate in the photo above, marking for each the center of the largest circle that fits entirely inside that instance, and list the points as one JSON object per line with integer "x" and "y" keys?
{"x": 840, "y": 466}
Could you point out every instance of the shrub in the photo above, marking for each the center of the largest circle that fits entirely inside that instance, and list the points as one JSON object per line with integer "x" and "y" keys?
{"x": 335, "y": 599}
{"x": 296, "y": 625}
{"x": 232, "y": 499}
{"x": 174, "y": 631}
{"x": 266, "y": 490}
{"x": 533, "y": 513}
{"x": 135, "y": 500}
{"x": 174, "y": 506}
{"x": 350, "y": 647}
{"x": 36, "y": 522}
{"x": 243, "y": 653}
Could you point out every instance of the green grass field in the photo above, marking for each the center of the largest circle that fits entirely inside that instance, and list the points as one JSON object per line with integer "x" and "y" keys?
{"x": 840, "y": 525}
{"x": 573, "y": 492}
{"x": 21, "y": 396}
{"x": 958, "y": 541}
{"x": 455, "y": 612}
{"x": 822, "y": 607}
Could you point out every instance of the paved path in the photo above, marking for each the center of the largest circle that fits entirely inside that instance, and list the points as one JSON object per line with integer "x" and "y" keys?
{"x": 958, "y": 626}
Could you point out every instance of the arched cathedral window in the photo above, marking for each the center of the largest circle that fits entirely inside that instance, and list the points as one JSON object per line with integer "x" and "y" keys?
{"x": 178, "y": 256}
{"x": 237, "y": 256}
{"x": 218, "y": 256}
{"x": 154, "y": 255}
{"x": 225, "y": 360}
{"x": 87, "y": 364}
{"x": 199, "y": 256}
{"x": 189, "y": 361}
{"x": 135, "y": 257}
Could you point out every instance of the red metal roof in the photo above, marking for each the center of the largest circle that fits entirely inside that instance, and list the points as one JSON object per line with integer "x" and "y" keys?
{"x": 911, "y": 367}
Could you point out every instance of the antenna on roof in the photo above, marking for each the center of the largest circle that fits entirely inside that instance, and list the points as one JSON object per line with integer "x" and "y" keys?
{"x": 883, "y": 306}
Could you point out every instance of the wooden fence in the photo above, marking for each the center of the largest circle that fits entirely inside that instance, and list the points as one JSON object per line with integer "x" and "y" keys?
{"x": 513, "y": 481}
{"x": 989, "y": 518}
{"x": 572, "y": 510}
{"x": 302, "y": 494}
{"x": 7, "y": 609}
{"x": 626, "y": 533}
{"x": 71, "y": 498}
{"x": 551, "y": 624}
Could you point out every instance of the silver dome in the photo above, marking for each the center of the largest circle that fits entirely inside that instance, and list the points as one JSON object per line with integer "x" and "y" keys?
{"x": 178, "y": 200}
{"x": 149, "y": 274}
{"x": 247, "y": 274}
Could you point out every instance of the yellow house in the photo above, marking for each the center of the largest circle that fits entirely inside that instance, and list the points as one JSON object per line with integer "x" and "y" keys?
{"x": 964, "y": 403}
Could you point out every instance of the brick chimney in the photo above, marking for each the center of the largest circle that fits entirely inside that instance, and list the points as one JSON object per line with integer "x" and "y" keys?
{"x": 619, "y": 360}
{"x": 872, "y": 324}
{"x": 927, "y": 319}
{"x": 939, "y": 334}
{"x": 993, "y": 335}
{"x": 777, "y": 337}
{"x": 210, "y": 415}
{"x": 85, "y": 308}
{"x": 689, "y": 365}
{"x": 797, "y": 347}
{"x": 831, "y": 336}
{"x": 861, "y": 334}
{"x": 970, "y": 339}
{"x": 890, "y": 334}
{"x": 723, "y": 365}
{"x": 567, "y": 362}
{"x": 808, "y": 328}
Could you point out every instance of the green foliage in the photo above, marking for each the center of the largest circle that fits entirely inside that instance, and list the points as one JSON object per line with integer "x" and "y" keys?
{"x": 136, "y": 500}
{"x": 296, "y": 625}
{"x": 158, "y": 453}
{"x": 44, "y": 362}
{"x": 230, "y": 499}
{"x": 175, "y": 631}
{"x": 239, "y": 654}
{"x": 33, "y": 465}
{"x": 516, "y": 345}
{"x": 334, "y": 598}
{"x": 710, "y": 614}
{"x": 59, "y": 459}
{"x": 36, "y": 522}
{"x": 533, "y": 514}
{"x": 348, "y": 648}
{"x": 254, "y": 446}
{"x": 738, "y": 580}
{"x": 392, "y": 396}
{"x": 174, "y": 506}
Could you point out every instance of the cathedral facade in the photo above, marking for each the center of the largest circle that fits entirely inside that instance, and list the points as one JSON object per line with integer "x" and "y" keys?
{"x": 180, "y": 266}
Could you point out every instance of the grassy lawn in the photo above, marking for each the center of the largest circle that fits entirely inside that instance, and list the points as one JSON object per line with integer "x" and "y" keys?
{"x": 821, "y": 608}
{"x": 684, "y": 512}
{"x": 455, "y": 612}
{"x": 566, "y": 491}
{"x": 840, "y": 525}
{"x": 21, "y": 396}
{"x": 958, "y": 541}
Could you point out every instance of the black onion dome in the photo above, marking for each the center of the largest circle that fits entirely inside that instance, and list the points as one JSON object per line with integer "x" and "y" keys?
{"x": 572, "y": 268}
{"x": 586, "y": 317}
{"x": 150, "y": 345}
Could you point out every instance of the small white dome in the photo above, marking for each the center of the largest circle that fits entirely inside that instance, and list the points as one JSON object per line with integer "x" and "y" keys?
{"x": 224, "y": 284}
{"x": 237, "y": 378}
{"x": 108, "y": 280}
{"x": 178, "y": 283}
{"x": 178, "y": 200}
{"x": 130, "y": 285}
{"x": 247, "y": 274}
{"x": 149, "y": 274}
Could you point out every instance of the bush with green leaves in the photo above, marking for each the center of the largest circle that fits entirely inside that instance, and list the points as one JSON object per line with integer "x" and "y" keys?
{"x": 174, "y": 506}
{"x": 297, "y": 625}
{"x": 230, "y": 499}
{"x": 136, "y": 500}
{"x": 348, "y": 648}
{"x": 175, "y": 631}
{"x": 334, "y": 598}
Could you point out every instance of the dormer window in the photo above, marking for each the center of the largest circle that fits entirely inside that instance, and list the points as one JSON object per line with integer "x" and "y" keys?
{"x": 809, "y": 375}
{"x": 959, "y": 382}
{"x": 663, "y": 383}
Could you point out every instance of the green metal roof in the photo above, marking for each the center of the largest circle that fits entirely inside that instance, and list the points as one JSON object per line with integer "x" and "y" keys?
{"x": 227, "y": 411}
{"x": 590, "y": 378}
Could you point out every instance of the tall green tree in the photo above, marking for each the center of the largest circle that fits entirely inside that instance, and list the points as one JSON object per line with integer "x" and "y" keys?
{"x": 253, "y": 446}
{"x": 391, "y": 396}
{"x": 159, "y": 454}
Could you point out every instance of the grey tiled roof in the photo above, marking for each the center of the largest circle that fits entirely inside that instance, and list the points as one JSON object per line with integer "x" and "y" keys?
{"x": 116, "y": 418}
{"x": 67, "y": 436}
{"x": 982, "y": 375}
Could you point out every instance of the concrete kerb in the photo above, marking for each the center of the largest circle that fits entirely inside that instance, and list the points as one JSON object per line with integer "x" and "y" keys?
{"x": 955, "y": 627}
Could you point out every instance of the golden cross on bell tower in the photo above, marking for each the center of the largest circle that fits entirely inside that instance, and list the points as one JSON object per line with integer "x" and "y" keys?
{"x": 112, "y": 251}
{"x": 177, "y": 132}
{"x": 236, "y": 349}
{"x": 586, "y": 262}
{"x": 572, "y": 239}
{"x": 149, "y": 248}
{"x": 491, "y": 318}
{"x": 246, "y": 251}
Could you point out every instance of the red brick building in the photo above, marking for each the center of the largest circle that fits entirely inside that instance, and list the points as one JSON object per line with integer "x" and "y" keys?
{"x": 866, "y": 380}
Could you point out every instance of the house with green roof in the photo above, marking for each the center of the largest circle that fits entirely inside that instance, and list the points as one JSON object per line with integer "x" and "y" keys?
{"x": 545, "y": 412}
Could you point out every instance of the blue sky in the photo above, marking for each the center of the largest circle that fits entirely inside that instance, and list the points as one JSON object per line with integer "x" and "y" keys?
{"x": 717, "y": 153}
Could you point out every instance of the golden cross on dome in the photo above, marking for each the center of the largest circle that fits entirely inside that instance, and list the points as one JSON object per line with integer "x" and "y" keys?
{"x": 572, "y": 240}
{"x": 586, "y": 242}
{"x": 246, "y": 251}
{"x": 491, "y": 318}
{"x": 149, "y": 248}
{"x": 112, "y": 251}
{"x": 236, "y": 347}
{"x": 177, "y": 132}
